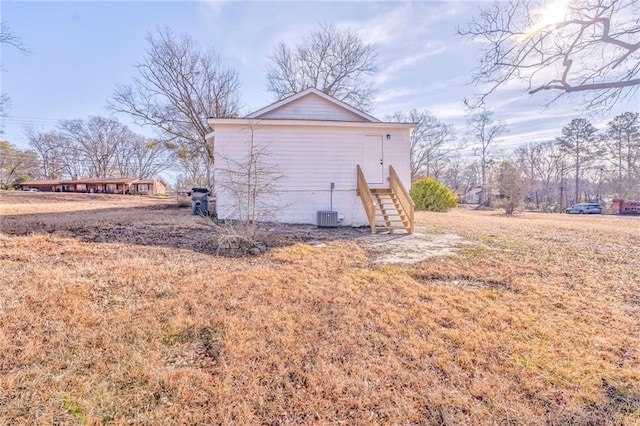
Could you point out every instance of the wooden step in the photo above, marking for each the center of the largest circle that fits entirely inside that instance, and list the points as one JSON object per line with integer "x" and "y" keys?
{"x": 394, "y": 230}
{"x": 389, "y": 213}
{"x": 388, "y": 216}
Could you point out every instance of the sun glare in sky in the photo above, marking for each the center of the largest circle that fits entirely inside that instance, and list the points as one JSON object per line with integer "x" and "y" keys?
{"x": 552, "y": 12}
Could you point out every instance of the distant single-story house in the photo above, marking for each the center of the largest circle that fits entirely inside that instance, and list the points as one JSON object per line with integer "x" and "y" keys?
{"x": 330, "y": 164}
{"x": 470, "y": 195}
{"x": 99, "y": 185}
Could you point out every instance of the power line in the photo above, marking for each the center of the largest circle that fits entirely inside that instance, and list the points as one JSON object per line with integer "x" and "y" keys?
{"x": 25, "y": 117}
{"x": 25, "y": 122}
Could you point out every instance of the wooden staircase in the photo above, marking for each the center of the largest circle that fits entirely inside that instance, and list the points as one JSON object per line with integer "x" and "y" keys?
{"x": 388, "y": 209}
{"x": 390, "y": 217}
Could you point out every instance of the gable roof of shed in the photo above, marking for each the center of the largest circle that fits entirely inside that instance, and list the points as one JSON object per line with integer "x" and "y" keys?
{"x": 312, "y": 91}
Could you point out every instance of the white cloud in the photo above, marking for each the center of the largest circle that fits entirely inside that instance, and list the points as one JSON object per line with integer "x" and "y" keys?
{"x": 394, "y": 93}
{"x": 383, "y": 28}
{"x": 400, "y": 23}
{"x": 541, "y": 135}
{"x": 531, "y": 116}
{"x": 417, "y": 92}
{"x": 213, "y": 9}
{"x": 449, "y": 110}
{"x": 390, "y": 68}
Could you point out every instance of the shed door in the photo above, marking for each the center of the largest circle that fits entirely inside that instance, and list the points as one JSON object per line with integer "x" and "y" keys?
{"x": 372, "y": 166}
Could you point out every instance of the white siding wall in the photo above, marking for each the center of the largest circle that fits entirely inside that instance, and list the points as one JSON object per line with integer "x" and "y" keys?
{"x": 309, "y": 158}
{"x": 312, "y": 107}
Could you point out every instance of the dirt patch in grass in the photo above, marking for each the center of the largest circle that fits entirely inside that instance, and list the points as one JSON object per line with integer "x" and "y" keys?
{"x": 411, "y": 248}
{"x": 103, "y": 218}
{"x": 463, "y": 282}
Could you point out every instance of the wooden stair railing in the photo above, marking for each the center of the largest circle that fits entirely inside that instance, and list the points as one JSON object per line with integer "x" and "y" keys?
{"x": 362, "y": 189}
{"x": 387, "y": 208}
{"x": 406, "y": 204}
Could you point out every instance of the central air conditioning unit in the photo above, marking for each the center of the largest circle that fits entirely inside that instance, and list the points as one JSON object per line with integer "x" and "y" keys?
{"x": 327, "y": 219}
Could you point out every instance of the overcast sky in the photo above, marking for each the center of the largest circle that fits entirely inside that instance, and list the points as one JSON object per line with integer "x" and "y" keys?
{"x": 79, "y": 50}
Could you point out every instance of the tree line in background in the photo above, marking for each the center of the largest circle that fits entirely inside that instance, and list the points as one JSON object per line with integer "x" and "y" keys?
{"x": 97, "y": 147}
{"x": 582, "y": 164}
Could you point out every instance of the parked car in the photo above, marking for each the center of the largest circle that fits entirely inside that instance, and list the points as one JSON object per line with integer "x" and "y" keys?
{"x": 585, "y": 208}
{"x": 32, "y": 190}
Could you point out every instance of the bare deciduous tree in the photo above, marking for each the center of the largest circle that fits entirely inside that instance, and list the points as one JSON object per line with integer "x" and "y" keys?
{"x": 250, "y": 181}
{"x": 333, "y": 61}
{"x": 526, "y": 158}
{"x": 547, "y": 171}
{"x": 7, "y": 36}
{"x": 58, "y": 155}
{"x": 452, "y": 174}
{"x": 176, "y": 88}
{"x": 192, "y": 164}
{"x": 622, "y": 144}
{"x": 583, "y": 46}
{"x": 431, "y": 142}
{"x": 5, "y": 102}
{"x": 73, "y": 159}
{"x": 577, "y": 141}
{"x": 100, "y": 139}
{"x": 96, "y": 147}
{"x": 49, "y": 147}
{"x": 141, "y": 157}
{"x": 484, "y": 130}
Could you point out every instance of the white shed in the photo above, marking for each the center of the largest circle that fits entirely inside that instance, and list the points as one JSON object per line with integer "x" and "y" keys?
{"x": 315, "y": 154}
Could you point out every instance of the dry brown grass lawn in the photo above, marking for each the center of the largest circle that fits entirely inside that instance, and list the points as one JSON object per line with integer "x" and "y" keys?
{"x": 128, "y": 317}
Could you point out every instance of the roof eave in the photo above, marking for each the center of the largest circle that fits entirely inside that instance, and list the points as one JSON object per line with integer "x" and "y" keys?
{"x": 293, "y": 122}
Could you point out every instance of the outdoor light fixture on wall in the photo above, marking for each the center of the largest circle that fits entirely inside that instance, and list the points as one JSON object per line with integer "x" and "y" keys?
{"x": 388, "y": 137}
